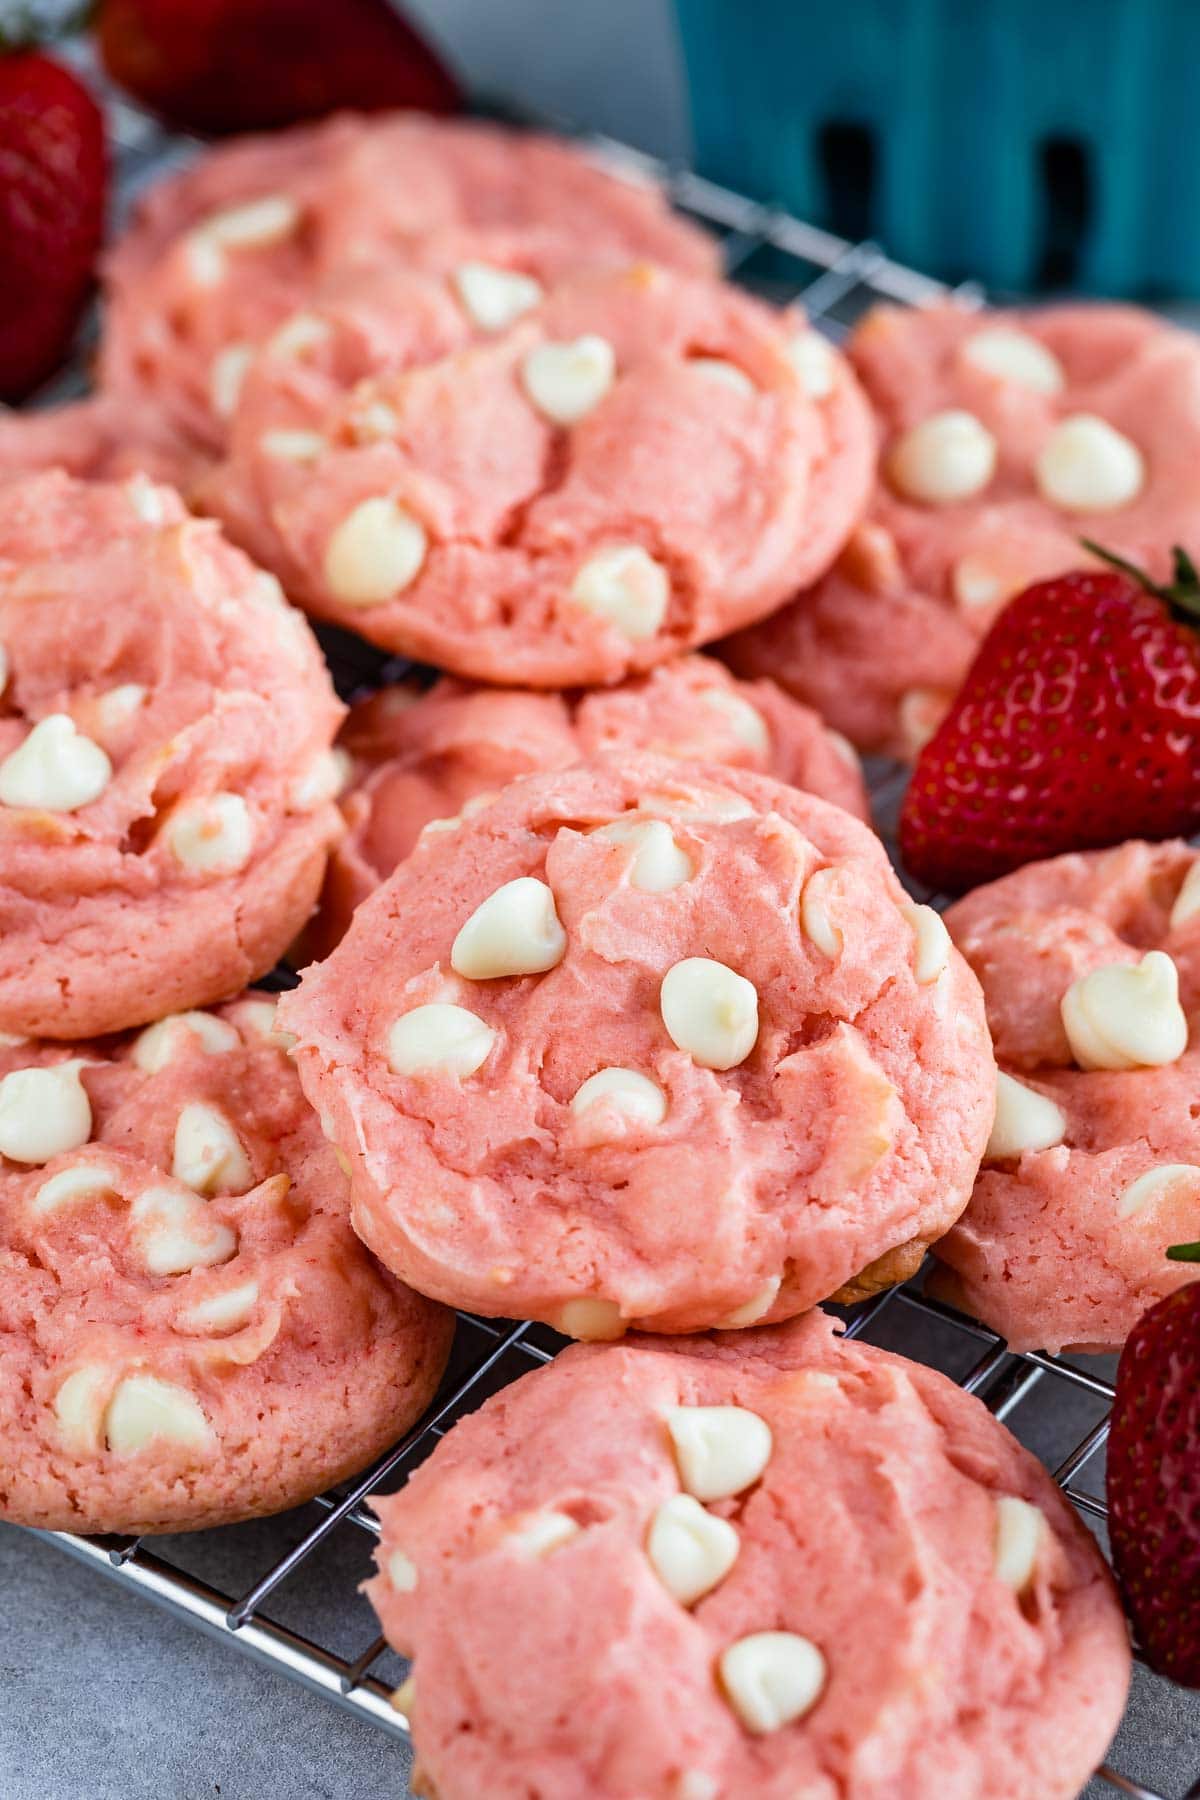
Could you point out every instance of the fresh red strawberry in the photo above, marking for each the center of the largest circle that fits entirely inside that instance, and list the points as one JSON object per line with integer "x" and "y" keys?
{"x": 1078, "y": 725}
{"x": 216, "y": 66}
{"x": 53, "y": 182}
{"x": 1154, "y": 1480}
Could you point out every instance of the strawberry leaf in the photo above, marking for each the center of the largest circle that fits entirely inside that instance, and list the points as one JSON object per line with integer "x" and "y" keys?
{"x": 1181, "y": 595}
{"x": 1184, "y": 1253}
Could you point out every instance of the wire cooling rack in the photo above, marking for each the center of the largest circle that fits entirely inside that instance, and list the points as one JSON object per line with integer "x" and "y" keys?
{"x": 1058, "y": 1406}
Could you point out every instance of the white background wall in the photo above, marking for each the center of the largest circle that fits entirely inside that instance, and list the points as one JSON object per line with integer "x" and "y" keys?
{"x": 613, "y": 65}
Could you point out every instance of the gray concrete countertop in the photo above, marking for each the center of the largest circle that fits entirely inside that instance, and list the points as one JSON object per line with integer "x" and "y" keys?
{"x": 103, "y": 1696}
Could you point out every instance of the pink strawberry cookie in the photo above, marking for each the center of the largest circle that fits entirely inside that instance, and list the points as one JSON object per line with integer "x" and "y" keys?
{"x": 220, "y": 254}
{"x": 458, "y": 287}
{"x": 785, "y": 1566}
{"x": 1005, "y": 438}
{"x": 358, "y": 322}
{"x": 420, "y": 758}
{"x": 1090, "y": 966}
{"x": 98, "y": 439}
{"x": 189, "y": 1330}
{"x": 648, "y": 1042}
{"x": 166, "y": 780}
{"x": 627, "y": 470}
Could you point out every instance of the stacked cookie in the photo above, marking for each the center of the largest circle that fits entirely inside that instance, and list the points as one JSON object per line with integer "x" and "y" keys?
{"x": 190, "y": 1331}
{"x": 623, "y": 1023}
{"x": 1090, "y": 966}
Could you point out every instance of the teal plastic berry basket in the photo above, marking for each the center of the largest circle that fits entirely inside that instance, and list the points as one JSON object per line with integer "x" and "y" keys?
{"x": 1029, "y": 143}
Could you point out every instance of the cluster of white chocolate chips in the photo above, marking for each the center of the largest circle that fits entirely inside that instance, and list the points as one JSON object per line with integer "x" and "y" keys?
{"x": 770, "y": 1679}
{"x": 1085, "y": 465}
{"x": 1116, "y": 1017}
{"x": 57, "y": 768}
{"x": 376, "y": 552}
{"x": 708, "y": 1010}
{"x": 45, "y": 1114}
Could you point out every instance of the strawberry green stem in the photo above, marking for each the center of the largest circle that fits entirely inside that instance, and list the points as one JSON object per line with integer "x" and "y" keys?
{"x": 1181, "y": 596}
{"x": 1184, "y": 1252}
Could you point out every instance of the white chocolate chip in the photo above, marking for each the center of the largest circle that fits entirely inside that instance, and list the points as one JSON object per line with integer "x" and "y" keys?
{"x": 495, "y": 298}
{"x": 144, "y": 1408}
{"x": 1126, "y": 1016}
{"x": 976, "y": 584}
{"x": 1187, "y": 900}
{"x": 539, "y": 1534}
{"x": 145, "y": 499}
{"x": 932, "y": 942}
{"x": 694, "y": 1784}
{"x": 266, "y": 594}
{"x": 79, "y": 1182}
{"x": 214, "y": 834}
{"x": 115, "y": 708}
{"x": 591, "y": 1320}
{"x": 724, "y": 373}
{"x": 55, "y": 769}
{"x": 625, "y": 585}
{"x": 1015, "y": 356}
{"x": 254, "y": 223}
{"x": 78, "y": 1405}
{"x": 375, "y": 553}
{"x": 690, "y": 1550}
{"x": 1025, "y": 1120}
{"x": 816, "y": 917}
{"x": 293, "y": 446}
{"x": 226, "y": 1311}
{"x": 658, "y": 862}
{"x": 843, "y": 748}
{"x": 710, "y": 1011}
{"x": 752, "y": 1310}
{"x": 404, "y": 1698}
{"x": 1152, "y": 1186}
{"x": 1019, "y": 1529}
{"x": 226, "y": 376}
{"x": 176, "y": 1232}
{"x": 772, "y": 1678}
{"x": 43, "y": 1113}
{"x": 303, "y": 331}
{"x": 617, "y": 1100}
{"x": 258, "y": 1016}
{"x": 402, "y": 1572}
{"x": 154, "y": 1048}
{"x": 439, "y": 1040}
{"x": 749, "y": 726}
{"x": 945, "y": 458}
{"x": 324, "y": 780}
{"x": 515, "y": 931}
{"x": 565, "y": 381}
{"x": 814, "y": 361}
{"x": 719, "y": 1450}
{"x": 206, "y": 260}
{"x": 208, "y": 1156}
{"x": 1086, "y": 466}
{"x": 373, "y": 422}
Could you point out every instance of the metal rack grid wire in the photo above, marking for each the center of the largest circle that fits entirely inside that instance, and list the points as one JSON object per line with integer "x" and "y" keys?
{"x": 835, "y": 281}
